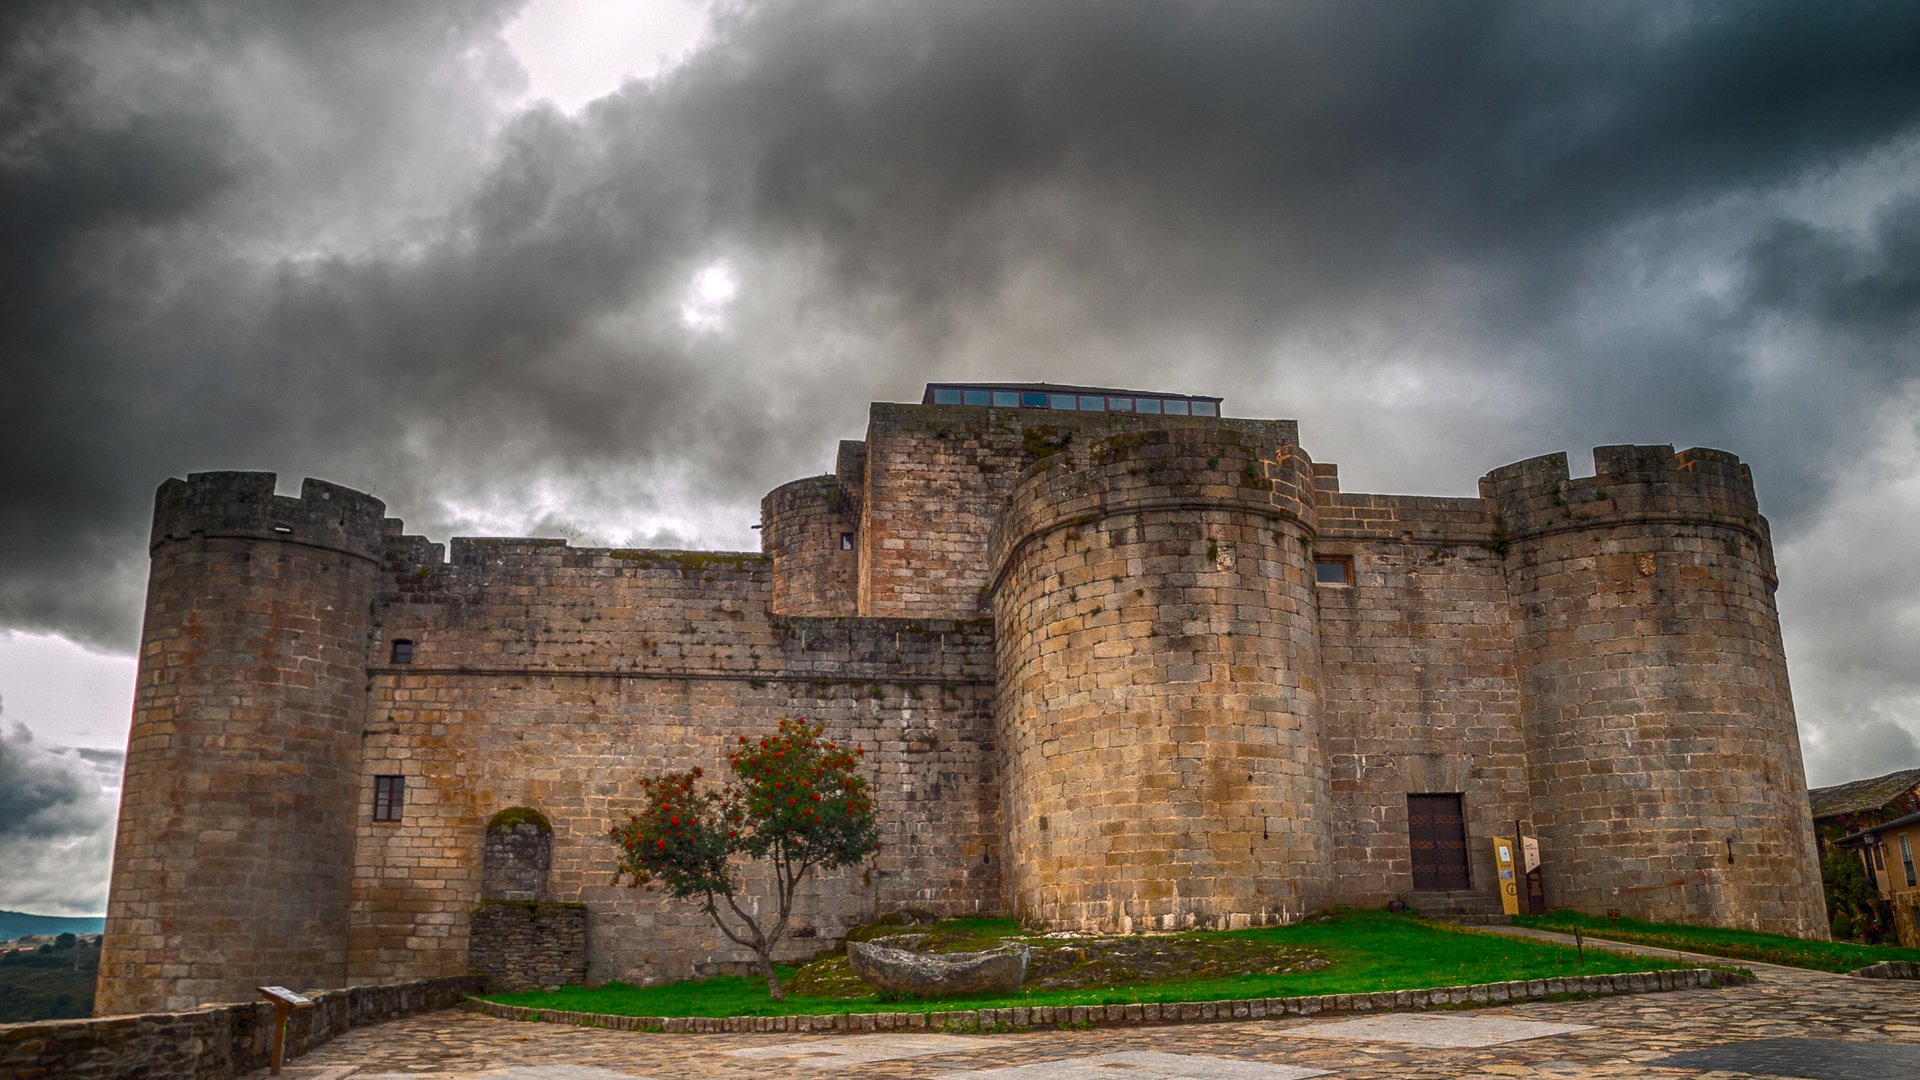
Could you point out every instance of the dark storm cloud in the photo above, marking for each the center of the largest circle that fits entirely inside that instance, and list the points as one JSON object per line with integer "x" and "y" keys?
{"x": 315, "y": 238}
{"x": 1864, "y": 292}
{"x": 57, "y": 811}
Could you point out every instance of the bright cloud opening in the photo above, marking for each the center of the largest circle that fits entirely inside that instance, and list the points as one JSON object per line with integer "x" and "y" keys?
{"x": 707, "y": 298}
{"x": 577, "y": 51}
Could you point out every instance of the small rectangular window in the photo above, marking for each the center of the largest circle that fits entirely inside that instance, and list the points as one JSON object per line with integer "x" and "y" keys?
{"x": 1906, "y": 859}
{"x": 1333, "y": 569}
{"x": 946, "y": 397}
{"x": 976, "y": 397}
{"x": 389, "y": 797}
{"x": 1062, "y": 401}
{"x": 1204, "y": 408}
{"x": 1119, "y": 404}
{"x": 1175, "y": 408}
{"x": 1147, "y": 405}
{"x": 1033, "y": 400}
{"x": 402, "y": 651}
{"x": 1093, "y": 403}
{"x": 1006, "y": 399}
{"x": 846, "y": 541}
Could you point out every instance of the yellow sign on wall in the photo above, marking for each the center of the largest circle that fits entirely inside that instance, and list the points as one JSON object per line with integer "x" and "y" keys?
{"x": 1509, "y": 882}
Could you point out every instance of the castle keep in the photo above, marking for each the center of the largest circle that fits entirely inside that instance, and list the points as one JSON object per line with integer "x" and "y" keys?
{"x": 1112, "y": 668}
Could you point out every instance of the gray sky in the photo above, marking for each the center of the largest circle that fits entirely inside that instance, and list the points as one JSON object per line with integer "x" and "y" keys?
{"x": 612, "y": 270}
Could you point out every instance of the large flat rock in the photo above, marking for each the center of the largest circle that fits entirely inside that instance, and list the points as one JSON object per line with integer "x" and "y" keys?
{"x": 897, "y": 971}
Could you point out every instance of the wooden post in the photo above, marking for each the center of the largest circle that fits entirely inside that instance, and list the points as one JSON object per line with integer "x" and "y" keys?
{"x": 284, "y": 1002}
{"x": 1536, "y": 883}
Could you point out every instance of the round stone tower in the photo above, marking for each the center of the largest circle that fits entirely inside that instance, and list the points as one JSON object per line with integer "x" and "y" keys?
{"x": 1156, "y": 691}
{"x": 1666, "y": 769}
{"x": 235, "y": 851}
{"x": 807, "y": 527}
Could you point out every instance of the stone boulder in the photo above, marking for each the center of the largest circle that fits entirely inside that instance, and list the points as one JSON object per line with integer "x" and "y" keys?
{"x": 897, "y": 971}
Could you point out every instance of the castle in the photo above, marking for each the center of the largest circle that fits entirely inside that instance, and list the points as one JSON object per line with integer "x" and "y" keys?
{"x": 1118, "y": 662}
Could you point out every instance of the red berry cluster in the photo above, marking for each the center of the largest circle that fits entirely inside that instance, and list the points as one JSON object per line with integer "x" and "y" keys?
{"x": 796, "y": 796}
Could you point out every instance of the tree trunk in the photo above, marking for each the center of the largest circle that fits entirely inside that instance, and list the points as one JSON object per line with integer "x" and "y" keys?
{"x": 773, "y": 981}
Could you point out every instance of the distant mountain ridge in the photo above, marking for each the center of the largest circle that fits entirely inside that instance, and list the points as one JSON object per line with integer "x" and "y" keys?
{"x": 18, "y": 924}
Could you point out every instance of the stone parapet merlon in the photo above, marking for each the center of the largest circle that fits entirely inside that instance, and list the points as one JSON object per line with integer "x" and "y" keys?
{"x": 243, "y": 505}
{"x": 1632, "y": 486}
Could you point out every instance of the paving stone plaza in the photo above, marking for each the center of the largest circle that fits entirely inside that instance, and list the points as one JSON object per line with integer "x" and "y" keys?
{"x": 1788, "y": 1023}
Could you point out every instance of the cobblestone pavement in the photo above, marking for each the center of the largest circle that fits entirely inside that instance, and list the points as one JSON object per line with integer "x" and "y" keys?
{"x": 1827, "y": 1026}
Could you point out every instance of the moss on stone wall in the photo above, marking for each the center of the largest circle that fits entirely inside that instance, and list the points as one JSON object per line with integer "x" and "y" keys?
{"x": 518, "y": 815}
{"x": 694, "y": 561}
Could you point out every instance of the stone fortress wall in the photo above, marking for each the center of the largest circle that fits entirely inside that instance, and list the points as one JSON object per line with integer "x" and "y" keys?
{"x": 1158, "y": 710}
{"x": 1096, "y": 681}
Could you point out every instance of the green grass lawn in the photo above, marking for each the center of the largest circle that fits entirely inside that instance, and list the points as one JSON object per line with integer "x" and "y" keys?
{"x": 1368, "y": 950}
{"x": 1839, "y": 956}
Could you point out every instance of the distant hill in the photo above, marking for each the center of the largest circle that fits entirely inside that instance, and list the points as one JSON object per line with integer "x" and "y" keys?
{"x": 52, "y": 985}
{"x": 17, "y": 924}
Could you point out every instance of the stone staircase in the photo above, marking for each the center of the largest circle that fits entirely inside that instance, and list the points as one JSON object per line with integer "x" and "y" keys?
{"x": 1464, "y": 906}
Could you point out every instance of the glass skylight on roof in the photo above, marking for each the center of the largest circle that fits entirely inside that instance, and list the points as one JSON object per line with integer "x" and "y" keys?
{"x": 1067, "y": 399}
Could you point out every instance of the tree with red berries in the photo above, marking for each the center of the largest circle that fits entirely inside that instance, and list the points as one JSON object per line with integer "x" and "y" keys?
{"x": 796, "y": 800}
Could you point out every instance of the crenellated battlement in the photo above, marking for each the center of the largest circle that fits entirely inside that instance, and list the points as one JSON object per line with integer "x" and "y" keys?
{"x": 243, "y": 505}
{"x": 1631, "y": 485}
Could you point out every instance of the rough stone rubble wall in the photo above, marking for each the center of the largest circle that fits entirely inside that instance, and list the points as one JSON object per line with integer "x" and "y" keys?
{"x": 215, "y": 1043}
{"x": 521, "y": 945}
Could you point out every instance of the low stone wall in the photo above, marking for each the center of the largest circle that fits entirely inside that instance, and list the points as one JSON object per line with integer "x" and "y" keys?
{"x": 1889, "y": 969}
{"x": 522, "y": 945}
{"x": 213, "y": 1042}
{"x": 1182, "y": 1012}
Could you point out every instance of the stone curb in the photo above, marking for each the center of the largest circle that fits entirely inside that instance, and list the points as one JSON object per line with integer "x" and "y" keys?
{"x": 1182, "y": 1012}
{"x": 1888, "y": 969}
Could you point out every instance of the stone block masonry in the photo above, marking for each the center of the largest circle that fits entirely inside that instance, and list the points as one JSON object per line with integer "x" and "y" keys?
{"x": 1665, "y": 757}
{"x": 1158, "y": 712}
{"x": 231, "y": 868}
{"x": 1109, "y": 671}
